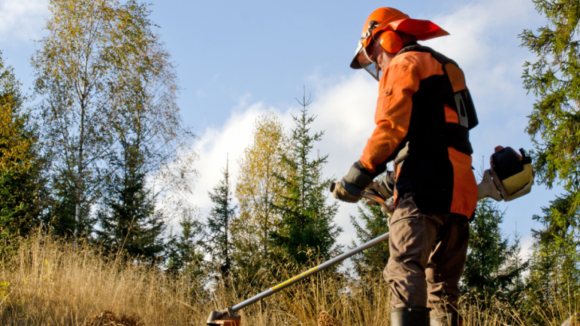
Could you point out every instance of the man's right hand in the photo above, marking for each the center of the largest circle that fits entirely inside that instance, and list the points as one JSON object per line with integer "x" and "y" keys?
{"x": 384, "y": 186}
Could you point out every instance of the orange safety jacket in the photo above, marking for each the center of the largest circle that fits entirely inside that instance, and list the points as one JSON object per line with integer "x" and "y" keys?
{"x": 423, "y": 117}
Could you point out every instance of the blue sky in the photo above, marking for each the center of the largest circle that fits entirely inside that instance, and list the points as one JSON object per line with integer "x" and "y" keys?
{"x": 236, "y": 59}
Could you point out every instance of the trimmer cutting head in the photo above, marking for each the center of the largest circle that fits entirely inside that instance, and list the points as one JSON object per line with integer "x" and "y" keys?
{"x": 226, "y": 317}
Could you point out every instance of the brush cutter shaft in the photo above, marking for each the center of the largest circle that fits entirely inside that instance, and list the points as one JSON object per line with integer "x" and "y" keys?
{"x": 309, "y": 272}
{"x": 229, "y": 316}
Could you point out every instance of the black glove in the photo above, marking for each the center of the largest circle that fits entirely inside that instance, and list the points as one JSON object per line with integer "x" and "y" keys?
{"x": 346, "y": 192}
{"x": 350, "y": 188}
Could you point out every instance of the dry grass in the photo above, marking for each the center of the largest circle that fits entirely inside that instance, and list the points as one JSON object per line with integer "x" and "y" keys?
{"x": 49, "y": 282}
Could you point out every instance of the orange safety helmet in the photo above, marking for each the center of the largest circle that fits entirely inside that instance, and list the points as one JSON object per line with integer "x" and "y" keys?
{"x": 380, "y": 26}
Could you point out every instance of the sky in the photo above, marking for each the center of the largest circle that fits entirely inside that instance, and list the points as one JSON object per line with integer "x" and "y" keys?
{"x": 237, "y": 59}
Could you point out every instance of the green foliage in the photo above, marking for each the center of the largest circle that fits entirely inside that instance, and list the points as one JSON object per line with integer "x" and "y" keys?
{"x": 60, "y": 218}
{"x": 554, "y": 78}
{"x": 219, "y": 243}
{"x": 306, "y": 230}
{"x": 128, "y": 221}
{"x": 22, "y": 191}
{"x": 19, "y": 214}
{"x": 492, "y": 264}
{"x": 185, "y": 255}
{"x": 64, "y": 209}
{"x": 556, "y": 251}
{"x": 374, "y": 223}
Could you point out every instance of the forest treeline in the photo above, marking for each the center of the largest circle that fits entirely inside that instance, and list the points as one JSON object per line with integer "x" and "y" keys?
{"x": 98, "y": 152}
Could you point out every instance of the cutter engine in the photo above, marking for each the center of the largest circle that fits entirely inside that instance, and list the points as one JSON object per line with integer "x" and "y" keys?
{"x": 511, "y": 175}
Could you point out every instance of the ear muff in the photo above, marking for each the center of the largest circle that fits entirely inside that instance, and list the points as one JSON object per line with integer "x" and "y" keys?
{"x": 391, "y": 42}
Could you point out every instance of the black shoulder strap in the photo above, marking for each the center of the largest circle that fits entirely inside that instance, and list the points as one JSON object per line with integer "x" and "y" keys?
{"x": 414, "y": 47}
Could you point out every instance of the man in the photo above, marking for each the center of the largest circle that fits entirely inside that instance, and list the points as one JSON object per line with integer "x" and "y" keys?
{"x": 423, "y": 117}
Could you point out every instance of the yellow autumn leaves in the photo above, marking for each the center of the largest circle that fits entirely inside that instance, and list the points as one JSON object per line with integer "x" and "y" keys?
{"x": 258, "y": 189}
{"x": 15, "y": 146}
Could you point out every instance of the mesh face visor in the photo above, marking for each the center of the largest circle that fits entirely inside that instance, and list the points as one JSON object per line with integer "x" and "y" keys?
{"x": 364, "y": 60}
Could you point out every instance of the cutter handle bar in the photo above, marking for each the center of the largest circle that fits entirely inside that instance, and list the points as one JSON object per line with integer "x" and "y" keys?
{"x": 309, "y": 272}
{"x": 318, "y": 268}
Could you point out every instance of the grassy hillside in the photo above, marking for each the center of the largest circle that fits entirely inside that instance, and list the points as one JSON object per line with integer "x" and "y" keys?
{"x": 50, "y": 282}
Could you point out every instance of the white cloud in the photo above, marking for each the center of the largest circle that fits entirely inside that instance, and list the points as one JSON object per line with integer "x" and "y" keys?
{"x": 526, "y": 252}
{"x": 345, "y": 112}
{"x": 217, "y": 145}
{"x": 483, "y": 41}
{"x": 22, "y": 19}
{"x": 526, "y": 248}
{"x": 480, "y": 32}
{"x": 345, "y": 136}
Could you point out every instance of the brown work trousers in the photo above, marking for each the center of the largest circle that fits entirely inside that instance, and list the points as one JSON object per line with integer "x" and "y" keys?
{"x": 427, "y": 259}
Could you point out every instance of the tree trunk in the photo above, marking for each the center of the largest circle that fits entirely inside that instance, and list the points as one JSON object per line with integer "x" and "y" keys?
{"x": 78, "y": 190}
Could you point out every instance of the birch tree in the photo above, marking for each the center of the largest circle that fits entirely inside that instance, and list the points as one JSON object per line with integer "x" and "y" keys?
{"x": 258, "y": 190}
{"x": 108, "y": 92}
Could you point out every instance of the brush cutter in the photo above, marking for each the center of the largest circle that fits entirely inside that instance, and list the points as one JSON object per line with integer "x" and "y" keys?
{"x": 230, "y": 317}
{"x": 510, "y": 177}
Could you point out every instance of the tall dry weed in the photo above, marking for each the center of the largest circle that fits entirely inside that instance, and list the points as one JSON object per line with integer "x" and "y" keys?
{"x": 52, "y": 282}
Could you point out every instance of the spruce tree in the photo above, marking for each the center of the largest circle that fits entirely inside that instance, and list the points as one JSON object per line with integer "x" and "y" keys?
{"x": 185, "y": 253}
{"x": 370, "y": 223}
{"x": 219, "y": 243}
{"x": 492, "y": 263}
{"x": 555, "y": 261}
{"x": 554, "y": 80}
{"x": 516, "y": 265}
{"x": 22, "y": 184}
{"x": 306, "y": 230}
{"x": 61, "y": 212}
{"x": 128, "y": 220}
{"x": 553, "y": 125}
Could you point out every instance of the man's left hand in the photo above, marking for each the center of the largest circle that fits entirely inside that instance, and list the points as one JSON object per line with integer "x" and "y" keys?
{"x": 350, "y": 188}
{"x": 341, "y": 192}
